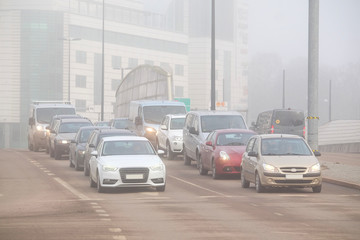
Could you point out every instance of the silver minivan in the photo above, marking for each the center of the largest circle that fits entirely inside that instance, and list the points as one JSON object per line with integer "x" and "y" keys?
{"x": 199, "y": 124}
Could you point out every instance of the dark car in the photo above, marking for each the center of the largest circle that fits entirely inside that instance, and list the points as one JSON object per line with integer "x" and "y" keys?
{"x": 121, "y": 123}
{"x": 222, "y": 152}
{"x": 55, "y": 120}
{"x": 95, "y": 138}
{"x": 63, "y": 133}
{"x": 77, "y": 147}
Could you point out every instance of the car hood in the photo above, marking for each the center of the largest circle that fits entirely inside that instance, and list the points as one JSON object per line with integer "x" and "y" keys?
{"x": 290, "y": 161}
{"x": 131, "y": 160}
{"x": 232, "y": 149}
{"x": 66, "y": 136}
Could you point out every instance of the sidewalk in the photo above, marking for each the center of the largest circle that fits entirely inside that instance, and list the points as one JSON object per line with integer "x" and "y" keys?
{"x": 341, "y": 168}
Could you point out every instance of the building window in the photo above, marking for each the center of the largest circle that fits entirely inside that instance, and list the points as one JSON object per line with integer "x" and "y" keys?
{"x": 133, "y": 62}
{"x": 80, "y": 57}
{"x": 179, "y": 91}
{"x": 166, "y": 67}
{"x": 80, "y": 105}
{"x": 80, "y": 81}
{"x": 179, "y": 70}
{"x": 116, "y": 62}
{"x": 115, "y": 84}
{"x": 149, "y": 62}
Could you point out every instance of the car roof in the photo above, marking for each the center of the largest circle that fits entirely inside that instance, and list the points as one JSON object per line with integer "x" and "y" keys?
{"x": 176, "y": 115}
{"x": 267, "y": 136}
{"x": 235, "y": 130}
{"x": 111, "y": 130}
{"x": 215, "y": 112}
{"x": 75, "y": 120}
{"x": 89, "y": 127}
{"x": 124, "y": 138}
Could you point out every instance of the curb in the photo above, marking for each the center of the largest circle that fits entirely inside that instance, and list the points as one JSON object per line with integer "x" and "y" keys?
{"x": 341, "y": 183}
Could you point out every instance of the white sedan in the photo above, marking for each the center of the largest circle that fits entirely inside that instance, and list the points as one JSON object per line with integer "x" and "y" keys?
{"x": 126, "y": 161}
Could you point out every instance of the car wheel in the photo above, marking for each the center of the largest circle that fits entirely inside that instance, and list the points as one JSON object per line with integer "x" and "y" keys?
{"x": 29, "y": 145}
{"x": 86, "y": 169}
{"x": 100, "y": 189}
{"x": 259, "y": 187}
{"x": 51, "y": 152}
{"x": 214, "y": 174}
{"x": 77, "y": 168}
{"x": 169, "y": 154}
{"x": 160, "y": 189}
{"x": 92, "y": 182}
{"x": 244, "y": 182}
{"x": 202, "y": 170}
{"x": 316, "y": 189}
{"x": 187, "y": 160}
{"x": 47, "y": 149}
{"x": 57, "y": 154}
{"x": 70, "y": 161}
{"x": 36, "y": 147}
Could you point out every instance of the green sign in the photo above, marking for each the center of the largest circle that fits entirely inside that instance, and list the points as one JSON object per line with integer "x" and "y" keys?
{"x": 186, "y": 101}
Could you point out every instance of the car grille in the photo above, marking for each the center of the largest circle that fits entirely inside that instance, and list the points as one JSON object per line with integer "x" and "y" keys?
{"x": 293, "y": 169}
{"x": 293, "y": 181}
{"x": 134, "y": 171}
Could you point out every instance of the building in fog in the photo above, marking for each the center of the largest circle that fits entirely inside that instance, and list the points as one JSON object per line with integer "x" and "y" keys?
{"x": 48, "y": 44}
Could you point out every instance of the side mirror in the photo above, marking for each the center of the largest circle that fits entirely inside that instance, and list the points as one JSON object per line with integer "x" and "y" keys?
{"x": 94, "y": 153}
{"x": 138, "y": 121}
{"x": 161, "y": 152}
{"x": 208, "y": 143}
{"x": 317, "y": 153}
{"x": 193, "y": 131}
{"x": 91, "y": 145}
{"x": 252, "y": 154}
{"x": 163, "y": 127}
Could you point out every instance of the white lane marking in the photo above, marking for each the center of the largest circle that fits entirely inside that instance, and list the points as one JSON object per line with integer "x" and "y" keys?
{"x": 115, "y": 230}
{"x": 94, "y": 203}
{"x": 103, "y": 215}
{"x": 96, "y": 206}
{"x": 1, "y": 195}
{"x": 105, "y": 219}
{"x": 43, "y": 168}
{"x": 100, "y": 211}
{"x": 253, "y": 204}
{"x": 198, "y": 186}
{"x": 51, "y": 174}
{"x": 295, "y": 195}
{"x": 71, "y": 189}
{"x": 119, "y": 237}
{"x": 279, "y": 214}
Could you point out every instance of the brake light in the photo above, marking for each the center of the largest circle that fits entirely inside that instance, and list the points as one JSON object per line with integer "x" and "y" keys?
{"x": 272, "y": 129}
{"x": 304, "y": 131}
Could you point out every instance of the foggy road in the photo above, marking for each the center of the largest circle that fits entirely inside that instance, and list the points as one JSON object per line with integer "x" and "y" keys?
{"x": 43, "y": 198}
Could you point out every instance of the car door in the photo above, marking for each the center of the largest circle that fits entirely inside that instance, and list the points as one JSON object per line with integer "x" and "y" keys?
{"x": 245, "y": 163}
{"x": 93, "y": 162}
{"x": 194, "y": 139}
{"x": 253, "y": 161}
{"x": 163, "y": 132}
{"x": 207, "y": 151}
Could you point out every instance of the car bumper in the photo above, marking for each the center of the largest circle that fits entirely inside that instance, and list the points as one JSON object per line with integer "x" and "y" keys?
{"x": 63, "y": 148}
{"x": 177, "y": 146}
{"x": 40, "y": 139}
{"x": 291, "y": 180}
{"x": 117, "y": 179}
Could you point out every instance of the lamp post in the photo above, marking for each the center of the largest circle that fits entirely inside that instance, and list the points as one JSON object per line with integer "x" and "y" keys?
{"x": 69, "y": 52}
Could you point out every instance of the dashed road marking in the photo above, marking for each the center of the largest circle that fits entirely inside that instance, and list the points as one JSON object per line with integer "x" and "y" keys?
{"x": 71, "y": 189}
{"x": 278, "y": 214}
{"x": 115, "y": 230}
{"x": 119, "y": 237}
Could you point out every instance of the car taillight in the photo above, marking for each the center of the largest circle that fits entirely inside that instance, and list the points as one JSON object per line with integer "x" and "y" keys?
{"x": 304, "y": 131}
{"x": 272, "y": 129}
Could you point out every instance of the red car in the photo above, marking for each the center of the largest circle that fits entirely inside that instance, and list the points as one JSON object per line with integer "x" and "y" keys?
{"x": 222, "y": 151}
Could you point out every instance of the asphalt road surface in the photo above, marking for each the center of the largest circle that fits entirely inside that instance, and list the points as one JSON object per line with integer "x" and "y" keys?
{"x": 44, "y": 199}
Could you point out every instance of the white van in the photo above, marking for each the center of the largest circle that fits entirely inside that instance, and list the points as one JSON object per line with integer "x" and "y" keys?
{"x": 41, "y": 114}
{"x": 199, "y": 124}
{"x": 148, "y": 114}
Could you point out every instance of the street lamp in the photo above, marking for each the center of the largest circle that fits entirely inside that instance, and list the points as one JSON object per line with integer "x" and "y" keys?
{"x": 69, "y": 41}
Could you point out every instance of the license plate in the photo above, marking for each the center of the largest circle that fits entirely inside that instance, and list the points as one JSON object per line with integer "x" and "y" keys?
{"x": 294, "y": 176}
{"x": 134, "y": 176}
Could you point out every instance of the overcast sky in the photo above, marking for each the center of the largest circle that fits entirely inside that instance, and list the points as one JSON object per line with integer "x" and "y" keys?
{"x": 281, "y": 27}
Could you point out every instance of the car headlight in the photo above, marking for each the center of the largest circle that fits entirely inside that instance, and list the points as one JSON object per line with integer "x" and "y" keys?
{"x": 157, "y": 168}
{"x": 177, "y": 138}
{"x": 109, "y": 168}
{"x": 81, "y": 152}
{"x": 270, "y": 168}
{"x": 150, "y": 130}
{"x": 315, "y": 168}
{"x": 224, "y": 156}
{"x": 40, "y": 128}
{"x": 64, "y": 141}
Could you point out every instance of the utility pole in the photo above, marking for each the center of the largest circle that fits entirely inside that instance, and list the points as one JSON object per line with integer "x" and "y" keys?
{"x": 212, "y": 54}
{"x": 102, "y": 77}
{"x": 283, "y": 100}
{"x": 313, "y": 71}
{"x": 330, "y": 101}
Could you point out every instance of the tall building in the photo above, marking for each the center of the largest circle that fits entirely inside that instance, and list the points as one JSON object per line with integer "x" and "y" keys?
{"x": 52, "y": 50}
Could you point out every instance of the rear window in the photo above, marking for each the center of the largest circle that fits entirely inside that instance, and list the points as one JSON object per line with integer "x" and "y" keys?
{"x": 284, "y": 146}
{"x": 289, "y": 118}
{"x": 214, "y": 122}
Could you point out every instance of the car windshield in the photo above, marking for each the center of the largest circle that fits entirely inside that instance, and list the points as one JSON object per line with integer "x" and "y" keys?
{"x": 214, "y": 122}
{"x": 284, "y": 146}
{"x": 101, "y": 136}
{"x": 154, "y": 114}
{"x": 85, "y": 134}
{"x": 233, "y": 139}
{"x": 177, "y": 123}
{"x": 127, "y": 148}
{"x": 289, "y": 118}
{"x": 45, "y": 115}
{"x": 72, "y": 127}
